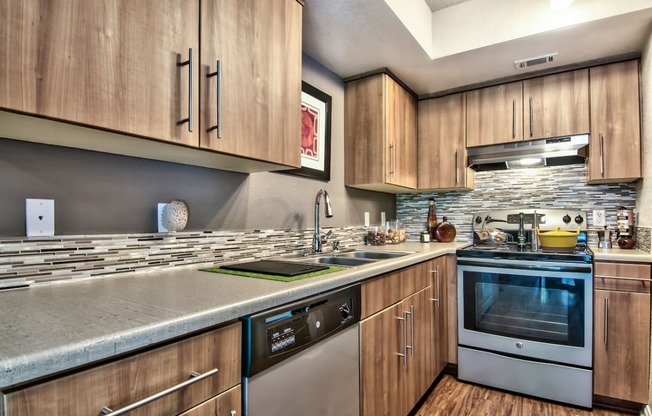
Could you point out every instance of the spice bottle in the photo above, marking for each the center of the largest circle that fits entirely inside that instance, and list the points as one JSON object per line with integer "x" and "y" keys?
{"x": 432, "y": 219}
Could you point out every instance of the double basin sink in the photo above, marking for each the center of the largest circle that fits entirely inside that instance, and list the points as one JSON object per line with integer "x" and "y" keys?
{"x": 351, "y": 258}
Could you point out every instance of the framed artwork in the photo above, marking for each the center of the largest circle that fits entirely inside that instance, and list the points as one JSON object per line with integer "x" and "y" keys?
{"x": 315, "y": 134}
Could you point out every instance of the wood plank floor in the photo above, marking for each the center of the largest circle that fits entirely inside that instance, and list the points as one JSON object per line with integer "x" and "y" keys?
{"x": 456, "y": 398}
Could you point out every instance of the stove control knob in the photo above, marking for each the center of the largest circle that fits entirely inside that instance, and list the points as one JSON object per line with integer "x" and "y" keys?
{"x": 478, "y": 219}
{"x": 566, "y": 219}
{"x": 519, "y": 345}
{"x": 579, "y": 219}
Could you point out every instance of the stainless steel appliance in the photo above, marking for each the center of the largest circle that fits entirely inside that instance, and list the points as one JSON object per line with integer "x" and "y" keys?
{"x": 525, "y": 316}
{"x": 303, "y": 358}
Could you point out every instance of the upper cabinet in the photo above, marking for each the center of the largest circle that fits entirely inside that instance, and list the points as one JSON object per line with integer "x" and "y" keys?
{"x": 442, "y": 144}
{"x": 615, "y": 143}
{"x": 380, "y": 123}
{"x": 494, "y": 115}
{"x": 556, "y": 105}
{"x": 250, "y": 79}
{"x": 136, "y": 68}
{"x": 116, "y": 65}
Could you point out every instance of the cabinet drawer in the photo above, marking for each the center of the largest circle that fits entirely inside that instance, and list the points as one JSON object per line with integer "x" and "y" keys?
{"x": 226, "y": 404}
{"x": 132, "y": 379}
{"x": 629, "y": 277}
{"x": 379, "y": 293}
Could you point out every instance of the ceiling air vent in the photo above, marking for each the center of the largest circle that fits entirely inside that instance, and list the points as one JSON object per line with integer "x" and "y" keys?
{"x": 537, "y": 60}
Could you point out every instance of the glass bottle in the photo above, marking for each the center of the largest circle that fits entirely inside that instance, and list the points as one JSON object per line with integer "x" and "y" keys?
{"x": 432, "y": 219}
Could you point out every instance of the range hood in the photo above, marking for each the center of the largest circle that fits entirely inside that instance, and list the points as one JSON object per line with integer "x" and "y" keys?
{"x": 545, "y": 152}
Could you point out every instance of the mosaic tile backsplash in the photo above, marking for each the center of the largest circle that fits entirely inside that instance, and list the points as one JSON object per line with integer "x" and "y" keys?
{"x": 30, "y": 261}
{"x": 548, "y": 187}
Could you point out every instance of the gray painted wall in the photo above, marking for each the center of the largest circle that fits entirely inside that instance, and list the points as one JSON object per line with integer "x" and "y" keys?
{"x": 98, "y": 193}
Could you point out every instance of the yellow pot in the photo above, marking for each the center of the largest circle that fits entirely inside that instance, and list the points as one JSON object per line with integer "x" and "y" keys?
{"x": 558, "y": 238}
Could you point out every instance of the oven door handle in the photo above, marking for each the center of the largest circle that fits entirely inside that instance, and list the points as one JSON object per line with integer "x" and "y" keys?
{"x": 571, "y": 269}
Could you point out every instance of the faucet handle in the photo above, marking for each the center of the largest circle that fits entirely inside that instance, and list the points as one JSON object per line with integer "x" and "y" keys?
{"x": 336, "y": 245}
{"x": 326, "y": 236}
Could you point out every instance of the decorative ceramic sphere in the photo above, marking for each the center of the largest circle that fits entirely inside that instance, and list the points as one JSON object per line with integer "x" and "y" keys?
{"x": 175, "y": 216}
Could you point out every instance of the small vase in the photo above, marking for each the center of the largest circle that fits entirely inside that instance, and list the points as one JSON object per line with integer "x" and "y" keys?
{"x": 175, "y": 216}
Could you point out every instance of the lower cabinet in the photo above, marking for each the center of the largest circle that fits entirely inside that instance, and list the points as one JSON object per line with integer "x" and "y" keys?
{"x": 200, "y": 367}
{"x": 403, "y": 342}
{"x": 622, "y": 331}
{"x": 228, "y": 403}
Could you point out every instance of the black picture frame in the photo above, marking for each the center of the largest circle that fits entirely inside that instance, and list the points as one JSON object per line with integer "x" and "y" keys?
{"x": 310, "y": 172}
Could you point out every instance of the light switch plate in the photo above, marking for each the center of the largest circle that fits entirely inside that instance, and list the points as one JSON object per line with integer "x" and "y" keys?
{"x": 599, "y": 219}
{"x": 366, "y": 219}
{"x": 159, "y": 218}
{"x": 39, "y": 217}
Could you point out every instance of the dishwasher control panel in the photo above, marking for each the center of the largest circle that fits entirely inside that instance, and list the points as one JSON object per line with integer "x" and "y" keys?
{"x": 273, "y": 335}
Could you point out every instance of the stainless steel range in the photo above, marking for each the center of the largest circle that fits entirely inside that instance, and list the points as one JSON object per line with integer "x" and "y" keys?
{"x": 525, "y": 315}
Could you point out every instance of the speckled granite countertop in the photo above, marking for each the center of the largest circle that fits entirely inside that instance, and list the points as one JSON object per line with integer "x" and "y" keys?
{"x": 617, "y": 254}
{"x": 49, "y": 329}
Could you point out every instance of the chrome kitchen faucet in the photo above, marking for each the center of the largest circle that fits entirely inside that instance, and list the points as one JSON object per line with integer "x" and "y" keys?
{"x": 317, "y": 240}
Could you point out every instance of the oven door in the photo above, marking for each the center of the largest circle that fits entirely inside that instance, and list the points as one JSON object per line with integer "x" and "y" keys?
{"x": 538, "y": 310}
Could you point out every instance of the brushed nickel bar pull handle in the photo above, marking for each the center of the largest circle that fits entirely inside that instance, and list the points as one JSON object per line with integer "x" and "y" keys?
{"x": 531, "y": 129}
{"x": 601, "y": 155}
{"x": 404, "y": 354}
{"x": 513, "y": 118}
{"x": 438, "y": 287}
{"x": 436, "y": 273}
{"x": 234, "y": 413}
{"x": 637, "y": 279}
{"x": 189, "y": 63}
{"x": 392, "y": 149}
{"x": 457, "y": 170}
{"x": 218, "y": 99}
{"x": 195, "y": 377}
{"x": 411, "y": 330}
{"x": 606, "y": 321}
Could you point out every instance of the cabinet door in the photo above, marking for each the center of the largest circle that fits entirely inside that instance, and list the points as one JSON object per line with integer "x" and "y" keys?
{"x": 494, "y": 115}
{"x": 120, "y": 383}
{"x": 451, "y": 307}
{"x": 418, "y": 375}
{"x": 381, "y": 292}
{"x": 112, "y": 64}
{"x": 256, "y": 111}
{"x": 437, "y": 269}
{"x": 556, "y": 105}
{"x": 228, "y": 403}
{"x": 364, "y": 129}
{"x": 441, "y": 143}
{"x": 401, "y": 145}
{"x": 615, "y": 147}
{"x": 382, "y": 337}
{"x": 622, "y": 334}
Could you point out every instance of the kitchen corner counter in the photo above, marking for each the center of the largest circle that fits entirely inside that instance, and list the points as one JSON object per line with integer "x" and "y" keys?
{"x": 51, "y": 329}
{"x": 617, "y": 254}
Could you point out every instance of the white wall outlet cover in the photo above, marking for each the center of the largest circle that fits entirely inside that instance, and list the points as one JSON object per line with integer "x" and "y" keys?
{"x": 366, "y": 219}
{"x": 159, "y": 217}
{"x": 39, "y": 217}
{"x": 599, "y": 219}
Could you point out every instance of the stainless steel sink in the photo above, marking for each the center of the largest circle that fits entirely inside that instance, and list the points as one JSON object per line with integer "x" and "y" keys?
{"x": 338, "y": 261}
{"x": 375, "y": 255}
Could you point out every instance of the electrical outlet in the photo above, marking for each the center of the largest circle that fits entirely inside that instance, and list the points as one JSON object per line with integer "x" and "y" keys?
{"x": 39, "y": 217}
{"x": 366, "y": 219}
{"x": 159, "y": 217}
{"x": 599, "y": 219}
{"x": 382, "y": 217}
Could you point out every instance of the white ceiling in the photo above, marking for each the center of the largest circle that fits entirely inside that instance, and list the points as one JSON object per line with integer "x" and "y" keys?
{"x": 473, "y": 41}
{"x": 435, "y": 5}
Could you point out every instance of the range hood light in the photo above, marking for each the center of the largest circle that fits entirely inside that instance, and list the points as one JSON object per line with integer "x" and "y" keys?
{"x": 532, "y": 161}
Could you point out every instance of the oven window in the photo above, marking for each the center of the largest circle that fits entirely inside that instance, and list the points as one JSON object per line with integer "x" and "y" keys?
{"x": 537, "y": 308}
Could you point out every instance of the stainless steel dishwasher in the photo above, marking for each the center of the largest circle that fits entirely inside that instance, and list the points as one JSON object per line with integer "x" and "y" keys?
{"x": 302, "y": 358}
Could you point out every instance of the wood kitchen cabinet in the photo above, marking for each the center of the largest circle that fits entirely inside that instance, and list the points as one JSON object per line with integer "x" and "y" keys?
{"x": 621, "y": 331}
{"x": 251, "y": 107}
{"x": 451, "y": 307}
{"x": 380, "y": 127}
{"x": 136, "y": 68}
{"x": 615, "y": 141}
{"x": 403, "y": 312}
{"x": 556, "y": 105}
{"x": 108, "y": 64}
{"x": 129, "y": 380}
{"x": 442, "y": 144}
{"x": 494, "y": 115}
